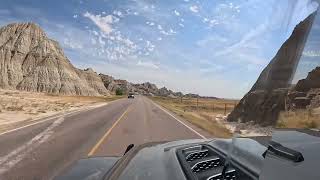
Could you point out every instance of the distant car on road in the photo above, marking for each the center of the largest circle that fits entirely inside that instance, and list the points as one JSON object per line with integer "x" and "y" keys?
{"x": 130, "y": 95}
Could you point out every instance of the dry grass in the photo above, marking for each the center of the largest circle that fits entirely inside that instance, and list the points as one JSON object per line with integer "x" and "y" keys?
{"x": 19, "y": 107}
{"x": 201, "y": 115}
{"x": 299, "y": 119}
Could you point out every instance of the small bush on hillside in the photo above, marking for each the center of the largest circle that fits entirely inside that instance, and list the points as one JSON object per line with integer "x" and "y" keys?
{"x": 119, "y": 92}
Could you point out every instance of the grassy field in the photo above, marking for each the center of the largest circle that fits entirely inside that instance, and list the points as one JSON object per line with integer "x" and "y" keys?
{"x": 200, "y": 112}
{"x": 299, "y": 119}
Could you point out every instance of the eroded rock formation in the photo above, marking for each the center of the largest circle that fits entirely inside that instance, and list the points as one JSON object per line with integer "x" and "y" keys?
{"x": 30, "y": 61}
{"x": 266, "y": 98}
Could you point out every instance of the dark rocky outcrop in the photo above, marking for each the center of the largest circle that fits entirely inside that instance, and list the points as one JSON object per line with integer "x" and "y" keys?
{"x": 306, "y": 93}
{"x": 266, "y": 98}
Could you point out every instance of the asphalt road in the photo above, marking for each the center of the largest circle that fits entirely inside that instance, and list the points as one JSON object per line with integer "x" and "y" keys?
{"x": 43, "y": 150}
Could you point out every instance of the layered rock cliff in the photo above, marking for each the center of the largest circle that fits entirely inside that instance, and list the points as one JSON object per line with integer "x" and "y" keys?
{"x": 30, "y": 61}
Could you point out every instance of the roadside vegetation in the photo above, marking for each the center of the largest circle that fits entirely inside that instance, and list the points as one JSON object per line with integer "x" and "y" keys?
{"x": 200, "y": 112}
{"x": 301, "y": 118}
{"x": 119, "y": 92}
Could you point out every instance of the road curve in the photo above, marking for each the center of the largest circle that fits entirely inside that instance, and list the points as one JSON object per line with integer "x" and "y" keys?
{"x": 43, "y": 150}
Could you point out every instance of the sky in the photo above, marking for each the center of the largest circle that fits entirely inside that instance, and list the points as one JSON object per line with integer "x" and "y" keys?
{"x": 213, "y": 48}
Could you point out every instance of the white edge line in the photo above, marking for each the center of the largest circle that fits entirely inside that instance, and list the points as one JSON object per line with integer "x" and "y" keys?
{"x": 50, "y": 118}
{"x": 203, "y": 137}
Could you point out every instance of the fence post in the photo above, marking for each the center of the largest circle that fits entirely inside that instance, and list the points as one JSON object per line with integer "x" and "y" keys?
{"x": 197, "y": 103}
{"x": 225, "y": 108}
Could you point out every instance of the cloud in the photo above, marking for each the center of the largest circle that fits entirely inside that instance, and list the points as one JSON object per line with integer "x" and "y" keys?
{"x": 103, "y": 22}
{"x": 311, "y": 53}
{"x": 194, "y": 9}
{"x": 176, "y": 12}
{"x": 147, "y": 64}
{"x": 118, "y": 13}
{"x": 75, "y": 16}
{"x": 150, "y": 23}
{"x": 69, "y": 43}
{"x": 168, "y": 33}
{"x": 181, "y": 25}
{"x": 253, "y": 34}
{"x": 211, "y": 40}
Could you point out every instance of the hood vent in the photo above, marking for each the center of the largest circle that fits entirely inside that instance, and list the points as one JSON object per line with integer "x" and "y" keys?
{"x": 205, "y": 165}
{"x": 203, "y": 162}
{"x": 229, "y": 175}
{"x": 197, "y": 155}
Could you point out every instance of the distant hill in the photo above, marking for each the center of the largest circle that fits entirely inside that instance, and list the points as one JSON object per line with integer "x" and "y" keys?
{"x": 30, "y": 61}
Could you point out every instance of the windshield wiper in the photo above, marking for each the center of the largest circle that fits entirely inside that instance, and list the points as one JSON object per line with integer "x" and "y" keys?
{"x": 284, "y": 152}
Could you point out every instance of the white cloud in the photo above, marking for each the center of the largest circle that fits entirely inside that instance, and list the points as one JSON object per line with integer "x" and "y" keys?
{"x": 71, "y": 44}
{"x": 103, "y": 22}
{"x": 159, "y": 38}
{"x": 102, "y": 42}
{"x": 159, "y": 27}
{"x": 150, "y": 23}
{"x": 247, "y": 38}
{"x": 311, "y": 53}
{"x": 93, "y": 41}
{"x": 147, "y": 64}
{"x": 164, "y": 32}
{"x": 205, "y": 20}
{"x": 181, "y": 25}
{"x": 194, "y": 9}
{"x": 172, "y": 31}
{"x": 75, "y": 16}
{"x": 211, "y": 40}
{"x": 95, "y": 33}
{"x": 118, "y": 13}
{"x": 176, "y": 12}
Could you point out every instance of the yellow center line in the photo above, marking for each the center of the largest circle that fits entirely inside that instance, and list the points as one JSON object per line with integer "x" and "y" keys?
{"x": 95, "y": 148}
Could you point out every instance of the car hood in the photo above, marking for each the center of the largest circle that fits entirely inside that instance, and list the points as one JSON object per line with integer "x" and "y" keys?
{"x": 89, "y": 169}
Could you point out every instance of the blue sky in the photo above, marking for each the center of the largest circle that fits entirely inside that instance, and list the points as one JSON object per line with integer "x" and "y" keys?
{"x": 215, "y": 48}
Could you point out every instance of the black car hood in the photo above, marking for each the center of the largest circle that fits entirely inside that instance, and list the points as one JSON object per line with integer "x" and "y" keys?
{"x": 89, "y": 169}
{"x": 307, "y": 143}
{"x": 159, "y": 161}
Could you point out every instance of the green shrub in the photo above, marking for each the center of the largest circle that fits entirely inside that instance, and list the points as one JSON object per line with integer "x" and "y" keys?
{"x": 119, "y": 92}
